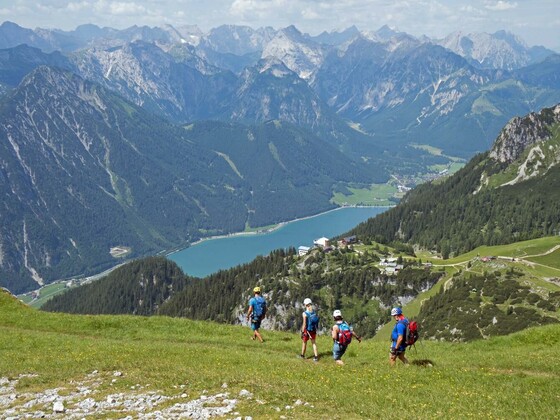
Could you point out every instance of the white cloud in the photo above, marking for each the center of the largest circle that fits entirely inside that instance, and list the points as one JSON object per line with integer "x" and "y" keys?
{"x": 120, "y": 8}
{"x": 78, "y": 6}
{"x": 251, "y": 10}
{"x": 501, "y": 6}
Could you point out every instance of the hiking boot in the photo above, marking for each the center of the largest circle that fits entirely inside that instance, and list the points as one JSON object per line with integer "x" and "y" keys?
{"x": 315, "y": 359}
{"x": 301, "y": 356}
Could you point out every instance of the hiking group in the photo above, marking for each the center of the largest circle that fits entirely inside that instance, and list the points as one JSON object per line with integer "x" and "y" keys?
{"x": 404, "y": 333}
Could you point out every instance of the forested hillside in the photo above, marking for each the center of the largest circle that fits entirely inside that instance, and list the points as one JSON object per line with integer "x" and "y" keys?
{"x": 137, "y": 288}
{"x": 489, "y": 201}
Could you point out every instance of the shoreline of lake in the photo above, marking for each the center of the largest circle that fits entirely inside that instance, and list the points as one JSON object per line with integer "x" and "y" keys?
{"x": 221, "y": 252}
{"x": 266, "y": 231}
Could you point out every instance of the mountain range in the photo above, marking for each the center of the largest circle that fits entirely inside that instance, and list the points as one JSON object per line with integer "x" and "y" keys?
{"x": 397, "y": 88}
{"x": 150, "y": 138}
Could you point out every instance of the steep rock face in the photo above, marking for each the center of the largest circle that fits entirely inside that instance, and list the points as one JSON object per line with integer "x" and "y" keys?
{"x": 501, "y": 50}
{"x": 369, "y": 76}
{"x": 238, "y": 40}
{"x": 298, "y": 53}
{"x": 271, "y": 90}
{"x": 521, "y": 132}
{"x": 148, "y": 76}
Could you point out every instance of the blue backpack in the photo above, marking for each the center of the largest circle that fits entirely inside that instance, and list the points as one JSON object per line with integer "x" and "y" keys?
{"x": 259, "y": 307}
{"x": 312, "y": 321}
{"x": 344, "y": 334}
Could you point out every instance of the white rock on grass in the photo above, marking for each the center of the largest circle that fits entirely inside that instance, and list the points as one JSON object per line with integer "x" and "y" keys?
{"x": 77, "y": 403}
{"x": 58, "y": 407}
{"x": 245, "y": 393}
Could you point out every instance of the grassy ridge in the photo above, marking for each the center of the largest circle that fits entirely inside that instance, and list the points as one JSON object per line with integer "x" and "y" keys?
{"x": 514, "y": 376}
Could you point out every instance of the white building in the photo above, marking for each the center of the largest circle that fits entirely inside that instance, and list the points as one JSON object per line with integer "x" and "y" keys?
{"x": 303, "y": 250}
{"x": 322, "y": 242}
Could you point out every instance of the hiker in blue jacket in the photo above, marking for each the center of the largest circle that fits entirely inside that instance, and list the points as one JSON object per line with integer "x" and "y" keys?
{"x": 398, "y": 337}
{"x": 342, "y": 335}
{"x": 256, "y": 313}
{"x": 309, "y": 329}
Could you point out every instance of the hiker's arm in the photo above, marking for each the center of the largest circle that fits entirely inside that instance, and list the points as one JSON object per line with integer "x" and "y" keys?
{"x": 399, "y": 341}
{"x": 304, "y": 323}
{"x": 334, "y": 332}
{"x": 357, "y": 337}
{"x": 250, "y": 311}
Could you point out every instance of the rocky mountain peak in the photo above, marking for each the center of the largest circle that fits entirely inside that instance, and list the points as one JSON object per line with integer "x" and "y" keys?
{"x": 500, "y": 50}
{"x": 299, "y": 54}
{"x": 522, "y": 132}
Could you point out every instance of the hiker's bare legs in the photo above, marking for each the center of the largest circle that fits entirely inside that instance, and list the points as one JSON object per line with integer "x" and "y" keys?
{"x": 303, "y": 347}
{"x": 393, "y": 358}
{"x": 315, "y": 349}
{"x": 257, "y": 334}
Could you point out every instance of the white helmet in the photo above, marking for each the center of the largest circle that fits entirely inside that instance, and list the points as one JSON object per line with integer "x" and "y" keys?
{"x": 337, "y": 313}
{"x": 396, "y": 311}
{"x": 307, "y": 301}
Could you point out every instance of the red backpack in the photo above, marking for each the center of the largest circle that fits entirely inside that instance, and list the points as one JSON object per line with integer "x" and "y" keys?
{"x": 344, "y": 334}
{"x": 411, "y": 333}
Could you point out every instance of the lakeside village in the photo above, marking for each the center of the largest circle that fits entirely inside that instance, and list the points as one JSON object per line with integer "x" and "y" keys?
{"x": 387, "y": 265}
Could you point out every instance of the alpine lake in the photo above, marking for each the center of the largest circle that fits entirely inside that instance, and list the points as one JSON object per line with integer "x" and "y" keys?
{"x": 211, "y": 255}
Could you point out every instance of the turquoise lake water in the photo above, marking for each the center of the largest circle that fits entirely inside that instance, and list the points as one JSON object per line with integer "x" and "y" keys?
{"x": 212, "y": 255}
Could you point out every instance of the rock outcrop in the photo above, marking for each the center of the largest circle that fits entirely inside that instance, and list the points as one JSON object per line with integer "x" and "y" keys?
{"x": 521, "y": 132}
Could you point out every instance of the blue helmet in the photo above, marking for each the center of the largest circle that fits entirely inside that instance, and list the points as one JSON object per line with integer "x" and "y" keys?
{"x": 396, "y": 311}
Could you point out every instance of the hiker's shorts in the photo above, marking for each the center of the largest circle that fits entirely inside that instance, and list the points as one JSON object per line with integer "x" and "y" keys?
{"x": 338, "y": 351}
{"x": 255, "y": 324}
{"x": 398, "y": 351}
{"x": 311, "y": 335}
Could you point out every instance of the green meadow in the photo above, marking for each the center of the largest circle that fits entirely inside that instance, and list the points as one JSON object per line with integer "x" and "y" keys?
{"x": 516, "y": 376}
{"x": 374, "y": 195}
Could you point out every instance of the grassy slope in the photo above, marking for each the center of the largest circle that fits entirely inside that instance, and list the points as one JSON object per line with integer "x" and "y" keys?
{"x": 514, "y": 376}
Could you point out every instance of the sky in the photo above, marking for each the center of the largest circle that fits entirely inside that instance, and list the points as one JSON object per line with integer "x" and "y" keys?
{"x": 537, "y": 22}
